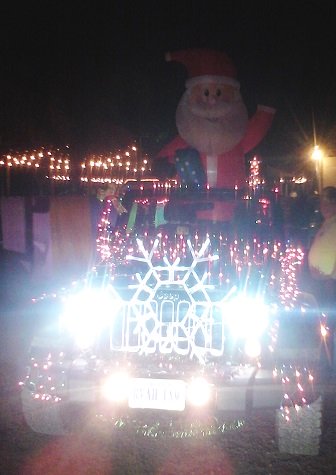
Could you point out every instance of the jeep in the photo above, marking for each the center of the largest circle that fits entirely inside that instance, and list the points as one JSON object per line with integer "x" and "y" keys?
{"x": 190, "y": 320}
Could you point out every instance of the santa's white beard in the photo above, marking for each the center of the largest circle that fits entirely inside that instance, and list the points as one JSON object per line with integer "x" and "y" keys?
{"x": 211, "y": 130}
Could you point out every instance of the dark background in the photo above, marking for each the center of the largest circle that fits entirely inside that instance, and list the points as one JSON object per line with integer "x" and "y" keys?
{"x": 93, "y": 74}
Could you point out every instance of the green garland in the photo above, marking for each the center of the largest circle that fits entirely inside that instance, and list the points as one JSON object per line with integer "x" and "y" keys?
{"x": 194, "y": 429}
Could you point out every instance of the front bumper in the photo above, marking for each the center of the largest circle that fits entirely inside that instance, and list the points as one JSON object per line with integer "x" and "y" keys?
{"x": 235, "y": 395}
{"x": 241, "y": 390}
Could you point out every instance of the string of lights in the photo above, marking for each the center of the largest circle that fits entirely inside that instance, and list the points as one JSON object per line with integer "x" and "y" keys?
{"x": 56, "y": 164}
{"x": 115, "y": 167}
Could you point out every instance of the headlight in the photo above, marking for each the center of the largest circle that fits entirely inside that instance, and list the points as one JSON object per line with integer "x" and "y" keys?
{"x": 252, "y": 348}
{"x": 86, "y": 313}
{"x": 247, "y": 317}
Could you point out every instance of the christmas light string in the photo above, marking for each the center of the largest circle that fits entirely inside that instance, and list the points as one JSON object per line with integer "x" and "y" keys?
{"x": 54, "y": 163}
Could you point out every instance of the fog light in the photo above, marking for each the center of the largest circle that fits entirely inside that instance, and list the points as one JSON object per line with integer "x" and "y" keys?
{"x": 116, "y": 387}
{"x": 199, "y": 392}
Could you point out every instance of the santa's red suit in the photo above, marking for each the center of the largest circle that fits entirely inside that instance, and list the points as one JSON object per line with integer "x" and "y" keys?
{"x": 212, "y": 119}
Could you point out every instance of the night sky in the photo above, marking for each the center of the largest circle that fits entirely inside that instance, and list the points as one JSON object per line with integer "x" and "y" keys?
{"x": 88, "y": 74}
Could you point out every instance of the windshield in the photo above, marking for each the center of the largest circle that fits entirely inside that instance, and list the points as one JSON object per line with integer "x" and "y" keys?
{"x": 184, "y": 211}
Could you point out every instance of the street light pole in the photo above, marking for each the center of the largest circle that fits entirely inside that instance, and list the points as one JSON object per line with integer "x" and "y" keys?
{"x": 317, "y": 156}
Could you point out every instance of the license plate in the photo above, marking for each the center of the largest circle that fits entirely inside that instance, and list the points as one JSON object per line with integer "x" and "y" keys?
{"x": 166, "y": 394}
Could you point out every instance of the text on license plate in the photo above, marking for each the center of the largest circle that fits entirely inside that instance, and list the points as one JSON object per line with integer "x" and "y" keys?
{"x": 168, "y": 394}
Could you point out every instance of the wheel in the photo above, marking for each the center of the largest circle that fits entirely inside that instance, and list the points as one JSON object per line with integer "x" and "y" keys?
{"x": 43, "y": 416}
{"x": 299, "y": 429}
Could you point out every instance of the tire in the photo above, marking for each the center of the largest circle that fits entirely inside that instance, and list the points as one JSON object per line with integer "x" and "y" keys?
{"x": 299, "y": 431}
{"x": 42, "y": 416}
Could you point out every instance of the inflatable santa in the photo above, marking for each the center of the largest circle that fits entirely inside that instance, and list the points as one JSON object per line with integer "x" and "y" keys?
{"x": 214, "y": 130}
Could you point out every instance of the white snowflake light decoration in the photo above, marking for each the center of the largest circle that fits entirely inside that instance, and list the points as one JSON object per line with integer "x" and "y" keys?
{"x": 171, "y": 309}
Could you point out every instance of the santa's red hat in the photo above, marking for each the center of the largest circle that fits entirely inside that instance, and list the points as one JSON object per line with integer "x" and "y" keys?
{"x": 204, "y": 65}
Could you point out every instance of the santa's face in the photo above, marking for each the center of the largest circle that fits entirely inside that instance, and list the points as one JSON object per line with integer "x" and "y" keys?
{"x": 212, "y": 117}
